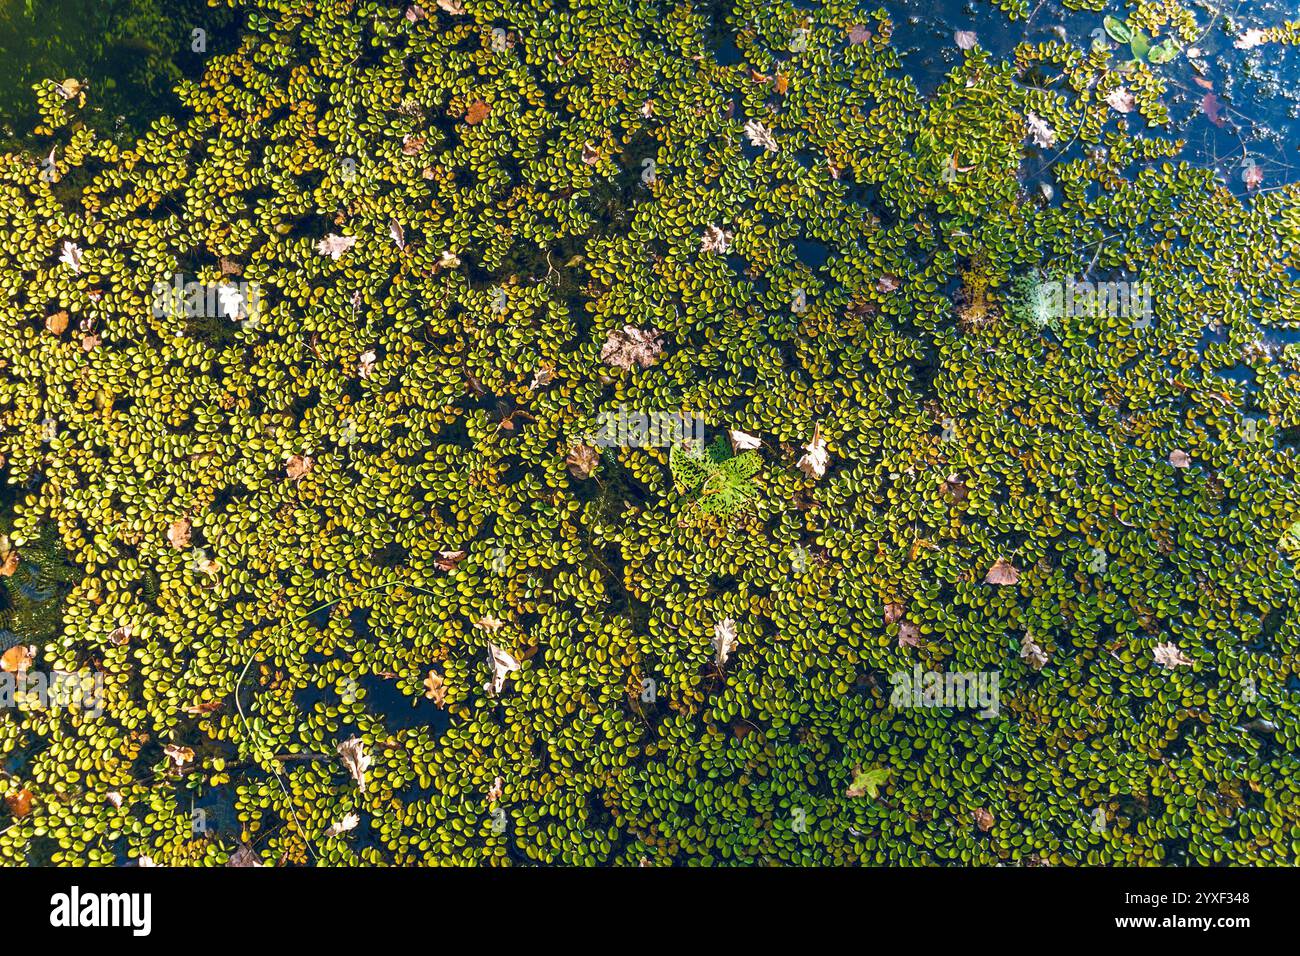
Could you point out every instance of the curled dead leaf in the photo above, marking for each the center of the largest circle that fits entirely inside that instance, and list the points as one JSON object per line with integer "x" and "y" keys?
{"x": 955, "y": 489}
{"x": 893, "y": 611}
{"x": 716, "y": 239}
{"x": 178, "y": 755}
{"x": 502, "y": 663}
{"x": 816, "y": 458}
{"x": 743, "y": 441}
{"x": 355, "y": 759}
{"x": 334, "y": 246}
{"x": 582, "y": 460}
{"x": 245, "y": 855}
{"x": 447, "y": 560}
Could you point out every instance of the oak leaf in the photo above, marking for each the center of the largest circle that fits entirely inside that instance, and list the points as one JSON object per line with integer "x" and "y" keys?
{"x": 868, "y": 782}
{"x": 435, "y": 688}
{"x": 1169, "y": 656}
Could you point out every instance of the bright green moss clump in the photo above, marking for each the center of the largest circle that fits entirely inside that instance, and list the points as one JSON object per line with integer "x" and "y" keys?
{"x": 366, "y": 508}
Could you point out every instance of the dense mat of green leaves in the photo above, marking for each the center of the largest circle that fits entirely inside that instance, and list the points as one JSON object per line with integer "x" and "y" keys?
{"x": 959, "y": 432}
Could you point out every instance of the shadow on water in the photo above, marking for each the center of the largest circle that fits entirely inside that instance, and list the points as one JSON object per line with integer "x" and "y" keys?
{"x": 130, "y": 53}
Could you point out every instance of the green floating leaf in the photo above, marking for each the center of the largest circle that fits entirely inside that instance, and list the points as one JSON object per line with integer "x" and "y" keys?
{"x": 1140, "y": 46}
{"x": 868, "y": 782}
{"x": 1118, "y": 29}
{"x": 1163, "y": 52}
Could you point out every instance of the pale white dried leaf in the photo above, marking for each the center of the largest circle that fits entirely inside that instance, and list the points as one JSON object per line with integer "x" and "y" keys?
{"x": 1039, "y": 131}
{"x": 70, "y": 255}
{"x": 355, "y": 759}
{"x": 1121, "y": 100}
{"x": 759, "y": 135}
{"x": 965, "y": 39}
{"x": 334, "y": 245}
{"x": 349, "y": 822}
{"x": 1250, "y": 39}
{"x": 366, "y": 363}
{"x": 1031, "y": 653}
{"x": 724, "y": 640}
{"x": 816, "y": 458}
{"x": 716, "y": 239}
{"x": 230, "y": 301}
{"x": 502, "y": 664}
{"x": 1170, "y": 656}
{"x": 743, "y": 441}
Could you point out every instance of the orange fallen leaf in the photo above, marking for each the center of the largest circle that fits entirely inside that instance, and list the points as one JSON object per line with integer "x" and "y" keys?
{"x": 893, "y": 611}
{"x": 478, "y": 111}
{"x": 18, "y": 658}
{"x": 57, "y": 323}
{"x": 20, "y": 803}
{"x": 435, "y": 688}
{"x": 178, "y": 534}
